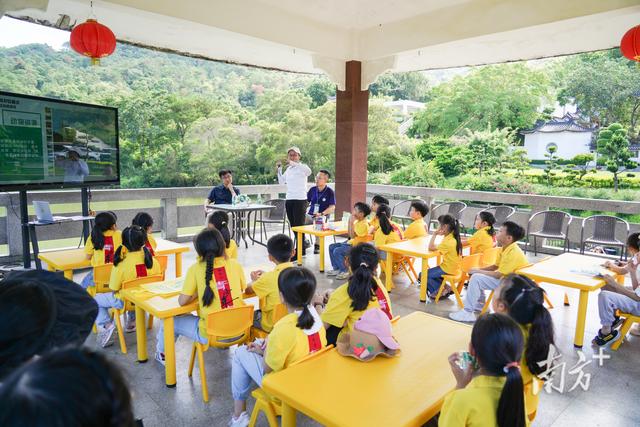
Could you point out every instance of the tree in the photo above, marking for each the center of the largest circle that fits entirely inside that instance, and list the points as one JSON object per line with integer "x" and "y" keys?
{"x": 613, "y": 145}
{"x": 582, "y": 163}
{"x": 319, "y": 91}
{"x": 551, "y": 163}
{"x": 488, "y": 147}
{"x": 412, "y": 86}
{"x": 518, "y": 160}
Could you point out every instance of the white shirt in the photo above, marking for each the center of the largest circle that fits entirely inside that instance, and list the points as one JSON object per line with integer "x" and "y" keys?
{"x": 75, "y": 171}
{"x": 295, "y": 177}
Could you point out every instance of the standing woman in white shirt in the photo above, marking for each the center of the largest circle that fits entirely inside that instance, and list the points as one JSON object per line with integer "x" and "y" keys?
{"x": 295, "y": 178}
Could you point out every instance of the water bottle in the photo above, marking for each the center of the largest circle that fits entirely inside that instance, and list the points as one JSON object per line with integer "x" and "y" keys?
{"x": 234, "y": 200}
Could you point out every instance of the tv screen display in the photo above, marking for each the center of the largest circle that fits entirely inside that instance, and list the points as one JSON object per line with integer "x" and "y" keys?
{"x": 47, "y": 143}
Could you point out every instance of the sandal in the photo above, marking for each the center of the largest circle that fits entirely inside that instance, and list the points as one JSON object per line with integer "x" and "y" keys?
{"x": 601, "y": 340}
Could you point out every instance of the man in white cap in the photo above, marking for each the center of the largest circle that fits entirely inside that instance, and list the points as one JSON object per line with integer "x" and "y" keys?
{"x": 295, "y": 178}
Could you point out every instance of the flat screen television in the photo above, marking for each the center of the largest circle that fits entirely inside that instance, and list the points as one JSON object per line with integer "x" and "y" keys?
{"x": 51, "y": 143}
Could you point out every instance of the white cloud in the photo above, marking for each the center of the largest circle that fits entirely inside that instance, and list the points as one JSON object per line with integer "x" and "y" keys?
{"x": 14, "y": 32}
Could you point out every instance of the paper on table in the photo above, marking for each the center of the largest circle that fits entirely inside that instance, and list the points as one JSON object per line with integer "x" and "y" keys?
{"x": 255, "y": 301}
{"x": 163, "y": 304}
{"x": 166, "y": 287}
{"x": 593, "y": 270}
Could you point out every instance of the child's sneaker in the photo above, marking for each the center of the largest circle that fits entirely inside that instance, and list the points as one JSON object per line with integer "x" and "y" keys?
{"x": 343, "y": 276}
{"x": 601, "y": 339}
{"x": 333, "y": 272}
{"x": 463, "y": 316}
{"x": 160, "y": 357}
{"x": 130, "y": 325}
{"x": 105, "y": 338}
{"x": 241, "y": 421}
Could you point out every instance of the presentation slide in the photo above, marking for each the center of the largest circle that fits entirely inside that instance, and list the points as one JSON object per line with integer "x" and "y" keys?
{"x": 51, "y": 142}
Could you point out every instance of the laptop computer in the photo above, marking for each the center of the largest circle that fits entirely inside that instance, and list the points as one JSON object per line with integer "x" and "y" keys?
{"x": 43, "y": 213}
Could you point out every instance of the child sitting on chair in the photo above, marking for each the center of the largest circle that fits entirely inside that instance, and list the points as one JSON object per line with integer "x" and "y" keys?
{"x": 358, "y": 233}
{"x": 418, "y": 211}
{"x": 485, "y": 236}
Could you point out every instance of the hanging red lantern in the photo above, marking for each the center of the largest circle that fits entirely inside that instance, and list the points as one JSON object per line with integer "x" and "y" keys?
{"x": 630, "y": 44}
{"x": 93, "y": 39}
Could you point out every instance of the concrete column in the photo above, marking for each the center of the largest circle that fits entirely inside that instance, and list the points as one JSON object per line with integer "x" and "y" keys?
{"x": 14, "y": 227}
{"x": 169, "y": 218}
{"x": 352, "y": 121}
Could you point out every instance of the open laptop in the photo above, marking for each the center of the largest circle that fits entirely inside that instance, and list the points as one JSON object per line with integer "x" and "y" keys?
{"x": 43, "y": 213}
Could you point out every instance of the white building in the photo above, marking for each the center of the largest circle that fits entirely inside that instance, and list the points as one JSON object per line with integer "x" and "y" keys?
{"x": 403, "y": 112}
{"x": 566, "y": 133}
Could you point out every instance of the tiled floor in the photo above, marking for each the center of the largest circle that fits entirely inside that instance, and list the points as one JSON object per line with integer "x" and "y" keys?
{"x": 610, "y": 400}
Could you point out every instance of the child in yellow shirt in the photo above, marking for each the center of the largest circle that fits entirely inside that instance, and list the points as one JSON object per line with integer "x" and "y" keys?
{"x": 450, "y": 249}
{"x": 521, "y": 299}
{"x": 376, "y": 201}
{"x": 493, "y": 394}
{"x": 214, "y": 281}
{"x": 265, "y": 285}
{"x": 101, "y": 245}
{"x": 388, "y": 231}
{"x": 363, "y": 291}
{"x": 485, "y": 237}
{"x": 136, "y": 262}
{"x": 358, "y": 233}
{"x": 145, "y": 221}
{"x": 219, "y": 220}
{"x": 294, "y": 336}
{"x": 418, "y": 211}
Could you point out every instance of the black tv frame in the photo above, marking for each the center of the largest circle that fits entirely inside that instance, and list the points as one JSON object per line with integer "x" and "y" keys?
{"x": 62, "y": 185}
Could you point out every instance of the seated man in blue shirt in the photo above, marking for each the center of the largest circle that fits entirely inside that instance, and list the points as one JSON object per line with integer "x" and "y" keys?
{"x": 223, "y": 193}
{"x": 322, "y": 200}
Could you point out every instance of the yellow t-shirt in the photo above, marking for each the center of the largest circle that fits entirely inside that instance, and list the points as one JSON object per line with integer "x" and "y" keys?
{"x": 531, "y": 390}
{"x": 481, "y": 241}
{"x": 396, "y": 235}
{"x": 266, "y": 288}
{"x": 131, "y": 267}
{"x": 152, "y": 241}
{"x": 235, "y": 283}
{"x": 374, "y": 222}
{"x": 476, "y": 405}
{"x": 287, "y": 343}
{"x": 98, "y": 255}
{"x": 415, "y": 229}
{"x": 232, "y": 250}
{"x": 510, "y": 259}
{"x": 451, "y": 259}
{"x": 361, "y": 230}
{"x": 341, "y": 314}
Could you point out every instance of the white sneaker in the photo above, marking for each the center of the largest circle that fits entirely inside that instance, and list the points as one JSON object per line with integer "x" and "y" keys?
{"x": 343, "y": 276}
{"x": 463, "y": 316}
{"x": 241, "y": 421}
{"x": 105, "y": 338}
{"x": 333, "y": 272}
{"x": 160, "y": 358}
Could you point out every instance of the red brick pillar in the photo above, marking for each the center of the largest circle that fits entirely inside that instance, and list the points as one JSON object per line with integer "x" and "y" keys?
{"x": 352, "y": 121}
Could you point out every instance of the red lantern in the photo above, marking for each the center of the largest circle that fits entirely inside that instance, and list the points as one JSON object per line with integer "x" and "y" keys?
{"x": 93, "y": 40}
{"x": 630, "y": 44}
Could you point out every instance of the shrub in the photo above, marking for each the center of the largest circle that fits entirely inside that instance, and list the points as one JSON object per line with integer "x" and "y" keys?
{"x": 496, "y": 183}
{"x": 415, "y": 172}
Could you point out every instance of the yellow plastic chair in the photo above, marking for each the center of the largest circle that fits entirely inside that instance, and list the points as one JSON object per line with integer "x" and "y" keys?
{"x": 278, "y": 313}
{"x": 101, "y": 277}
{"x": 271, "y": 406}
{"x": 490, "y": 256}
{"x": 629, "y": 320}
{"x": 225, "y": 328}
{"x": 128, "y": 306}
{"x": 456, "y": 281}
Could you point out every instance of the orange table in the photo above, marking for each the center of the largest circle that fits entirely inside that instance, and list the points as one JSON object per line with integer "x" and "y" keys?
{"x": 321, "y": 234}
{"x": 562, "y": 270}
{"x": 75, "y": 259}
{"x": 406, "y": 390}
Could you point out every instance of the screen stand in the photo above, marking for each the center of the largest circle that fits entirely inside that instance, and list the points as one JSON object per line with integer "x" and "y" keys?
{"x": 85, "y": 212}
{"x": 24, "y": 220}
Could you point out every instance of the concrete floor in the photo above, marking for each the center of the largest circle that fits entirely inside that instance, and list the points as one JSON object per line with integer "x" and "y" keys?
{"x": 610, "y": 400}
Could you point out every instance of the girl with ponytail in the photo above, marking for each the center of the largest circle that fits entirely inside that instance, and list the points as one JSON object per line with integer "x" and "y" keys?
{"x": 215, "y": 281}
{"x": 523, "y": 300}
{"x": 131, "y": 260}
{"x": 293, "y": 337}
{"x": 450, "y": 249}
{"x": 485, "y": 236}
{"x": 363, "y": 291}
{"x": 102, "y": 243}
{"x": 219, "y": 220}
{"x": 145, "y": 221}
{"x": 493, "y": 394}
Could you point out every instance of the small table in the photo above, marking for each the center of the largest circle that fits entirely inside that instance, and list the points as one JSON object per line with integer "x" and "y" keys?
{"x": 242, "y": 219}
{"x": 340, "y": 391}
{"x": 75, "y": 259}
{"x": 337, "y": 228}
{"x": 33, "y": 236}
{"x": 561, "y": 270}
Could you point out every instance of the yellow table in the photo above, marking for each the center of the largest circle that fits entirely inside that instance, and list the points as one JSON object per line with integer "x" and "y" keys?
{"x": 75, "y": 259}
{"x": 561, "y": 270}
{"x": 407, "y": 390}
{"x": 321, "y": 234}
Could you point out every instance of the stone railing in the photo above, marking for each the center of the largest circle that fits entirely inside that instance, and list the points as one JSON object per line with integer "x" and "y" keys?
{"x": 172, "y": 212}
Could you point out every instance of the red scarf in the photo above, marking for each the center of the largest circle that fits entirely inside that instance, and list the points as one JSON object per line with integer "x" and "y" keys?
{"x": 108, "y": 249}
{"x": 382, "y": 301}
{"x": 314, "y": 342}
{"x": 141, "y": 270}
{"x": 148, "y": 246}
{"x": 224, "y": 289}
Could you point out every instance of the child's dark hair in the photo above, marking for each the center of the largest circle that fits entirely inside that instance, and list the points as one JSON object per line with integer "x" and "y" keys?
{"x": 498, "y": 343}
{"x": 454, "y": 227}
{"x": 380, "y": 200}
{"x": 514, "y": 230}
{"x": 142, "y": 219}
{"x": 362, "y": 207}
{"x": 134, "y": 238}
{"x": 326, "y": 172}
{"x": 384, "y": 218}
{"x": 363, "y": 260}
{"x": 68, "y": 387}
{"x": 223, "y": 172}
{"x": 486, "y": 216}
{"x": 28, "y": 312}
{"x": 297, "y": 286}
{"x": 525, "y": 304}
{"x": 103, "y": 222}
{"x": 633, "y": 241}
{"x": 280, "y": 247}
{"x": 209, "y": 245}
{"x": 220, "y": 221}
{"x": 420, "y": 206}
